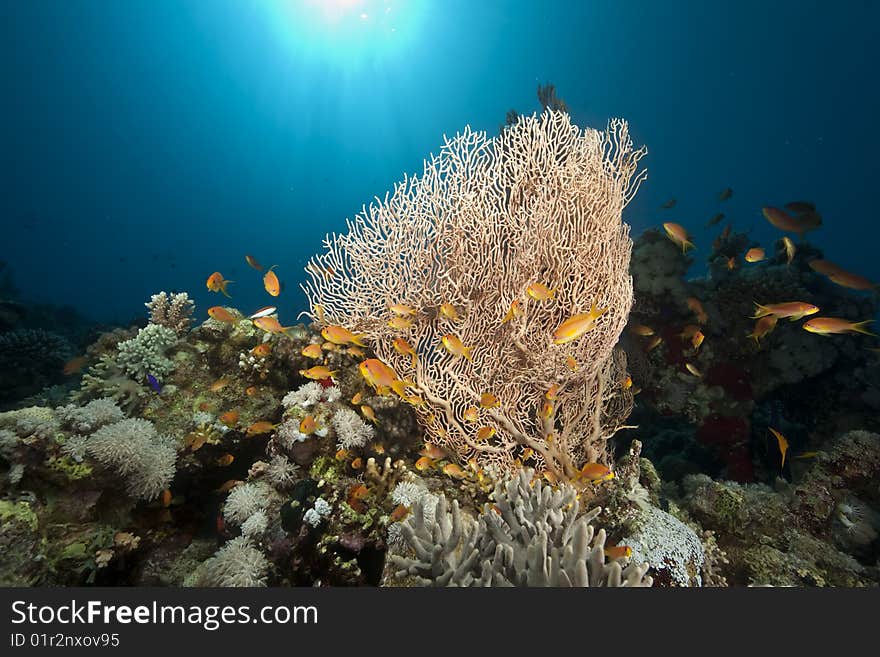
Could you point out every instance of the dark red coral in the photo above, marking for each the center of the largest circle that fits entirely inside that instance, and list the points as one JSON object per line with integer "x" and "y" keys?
{"x": 733, "y": 378}
{"x": 730, "y": 436}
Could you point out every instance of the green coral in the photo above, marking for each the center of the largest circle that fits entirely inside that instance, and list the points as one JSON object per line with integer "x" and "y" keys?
{"x": 18, "y": 512}
{"x": 68, "y": 467}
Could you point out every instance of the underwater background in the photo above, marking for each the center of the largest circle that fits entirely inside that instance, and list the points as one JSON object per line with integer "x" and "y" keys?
{"x": 148, "y": 147}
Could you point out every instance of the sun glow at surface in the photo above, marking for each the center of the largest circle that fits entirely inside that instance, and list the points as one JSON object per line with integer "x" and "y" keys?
{"x": 346, "y": 31}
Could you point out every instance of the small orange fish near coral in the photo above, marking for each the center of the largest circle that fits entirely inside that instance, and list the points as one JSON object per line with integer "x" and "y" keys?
{"x": 220, "y": 314}
{"x": 693, "y": 369}
{"x": 454, "y": 470}
{"x": 696, "y": 307}
{"x": 762, "y": 327}
{"x": 653, "y": 343}
{"x": 488, "y": 400}
{"x": 618, "y": 552}
{"x": 641, "y": 330}
{"x": 74, "y": 365}
{"x": 449, "y": 312}
{"x": 755, "y": 254}
{"x": 697, "y": 339}
{"x": 270, "y": 325}
{"x": 783, "y": 445}
{"x": 400, "y": 323}
{"x": 166, "y": 498}
{"x": 271, "y": 282}
{"x": 402, "y": 309}
{"x": 626, "y": 384}
{"x": 312, "y": 351}
{"x": 259, "y": 428}
{"x": 308, "y": 425}
{"x": 596, "y": 472}
{"x": 225, "y": 460}
{"x": 455, "y": 347}
{"x": 794, "y": 310}
{"x": 577, "y": 325}
{"x": 341, "y": 335}
{"x": 836, "y": 325}
{"x": 341, "y": 454}
{"x": 513, "y": 312}
{"x": 472, "y": 414}
{"x": 404, "y": 348}
{"x": 571, "y": 363}
{"x": 790, "y": 249}
{"x": 216, "y": 283}
{"x": 230, "y": 418}
{"x": 318, "y": 373}
{"x": 552, "y": 393}
{"x": 424, "y": 463}
{"x": 433, "y": 451}
{"x": 355, "y": 351}
{"x": 400, "y": 512}
{"x": 262, "y": 350}
{"x": 484, "y": 433}
{"x": 252, "y": 261}
{"x": 679, "y": 235}
{"x": 370, "y": 414}
{"x": 540, "y": 292}
{"x": 357, "y": 463}
{"x": 546, "y": 411}
{"x": 731, "y": 263}
{"x": 356, "y": 400}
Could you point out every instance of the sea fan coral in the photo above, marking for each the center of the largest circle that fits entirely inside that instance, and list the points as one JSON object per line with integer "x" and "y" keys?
{"x": 512, "y": 236}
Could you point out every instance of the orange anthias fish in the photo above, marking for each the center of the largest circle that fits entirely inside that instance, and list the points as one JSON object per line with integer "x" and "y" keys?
{"x": 596, "y": 472}
{"x": 679, "y": 235}
{"x": 225, "y": 460}
{"x": 540, "y": 292}
{"x": 472, "y": 414}
{"x": 571, "y": 363}
{"x": 449, "y": 312}
{"x": 852, "y": 281}
{"x": 402, "y": 309}
{"x": 424, "y": 463}
{"x": 488, "y": 400}
{"x": 400, "y": 323}
{"x": 514, "y": 311}
{"x": 308, "y": 425}
{"x": 669, "y": 204}
{"x": 271, "y": 282}
{"x": 454, "y": 470}
{"x": 696, "y": 307}
{"x": 552, "y": 393}
{"x": 689, "y": 331}
{"x": 270, "y": 325}
{"x": 318, "y": 373}
{"x": 433, "y": 451}
{"x": 484, "y": 433}
{"x": 731, "y": 263}
{"x": 794, "y": 310}
{"x": 800, "y": 207}
{"x": 547, "y": 410}
{"x": 216, "y": 283}
{"x": 824, "y": 267}
{"x": 835, "y": 325}
{"x": 312, "y": 351}
{"x": 382, "y": 378}
{"x": 370, "y": 414}
{"x": 400, "y": 513}
{"x": 785, "y": 222}
{"x": 74, "y": 365}
{"x": 220, "y": 314}
{"x": 614, "y": 552}
{"x": 790, "y": 249}
{"x": 715, "y": 219}
{"x": 641, "y": 330}
{"x": 341, "y": 335}
{"x": 219, "y": 384}
{"x": 783, "y": 445}
{"x": 693, "y": 369}
{"x": 252, "y": 261}
{"x": 261, "y": 427}
{"x": 763, "y": 327}
{"x": 755, "y": 254}
{"x": 455, "y": 347}
{"x": 404, "y": 348}
{"x": 262, "y": 350}
{"x": 576, "y": 326}
{"x": 697, "y": 339}
{"x": 653, "y": 343}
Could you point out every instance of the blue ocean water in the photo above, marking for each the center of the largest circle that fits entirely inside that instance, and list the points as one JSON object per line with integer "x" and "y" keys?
{"x": 147, "y": 144}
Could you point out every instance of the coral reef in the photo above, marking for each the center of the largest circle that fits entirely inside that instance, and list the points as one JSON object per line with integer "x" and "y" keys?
{"x": 173, "y": 311}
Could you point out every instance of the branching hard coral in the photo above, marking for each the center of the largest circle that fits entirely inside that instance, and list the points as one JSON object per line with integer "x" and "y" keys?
{"x": 145, "y": 353}
{"x": 489, "y": 220}
{"x": 238, "y": 563}
{"x": 532, "y": 536}
{"x": 351, "y": 430}
{"x": 88, "y": 418}
{"x": 133, "y": 449}
{"x": 173, "y": 311}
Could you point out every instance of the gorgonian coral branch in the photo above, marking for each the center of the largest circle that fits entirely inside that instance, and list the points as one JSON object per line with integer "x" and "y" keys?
{"x": 540, "y": 203}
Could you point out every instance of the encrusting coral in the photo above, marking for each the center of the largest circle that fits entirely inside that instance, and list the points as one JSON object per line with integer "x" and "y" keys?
{"x": 477, "y": 255}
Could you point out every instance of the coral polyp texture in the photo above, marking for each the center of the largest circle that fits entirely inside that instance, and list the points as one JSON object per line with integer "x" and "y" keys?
{"x": 485, "y": 255}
